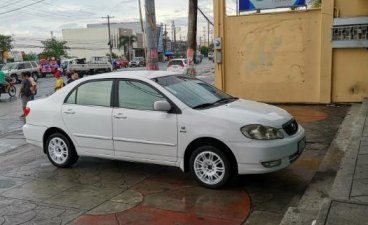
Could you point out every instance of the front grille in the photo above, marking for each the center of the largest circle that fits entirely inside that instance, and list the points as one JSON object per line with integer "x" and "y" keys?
{"x": 291, "y": 127}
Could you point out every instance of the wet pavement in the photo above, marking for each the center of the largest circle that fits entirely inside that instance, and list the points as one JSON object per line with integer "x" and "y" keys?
{"x": 98, "y": 191}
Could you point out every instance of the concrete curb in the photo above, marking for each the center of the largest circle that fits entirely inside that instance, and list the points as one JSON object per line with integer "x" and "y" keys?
{"x": 341, "y": 187}
{"x": 314, "y": 205}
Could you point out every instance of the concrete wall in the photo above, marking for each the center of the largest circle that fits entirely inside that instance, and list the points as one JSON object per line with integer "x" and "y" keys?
{"x": 350, "y": 75}
{"x": 350, "y": 66}
{"x": 274, "y": 57}
{"x": 288, "y": 57}
{"x": 351, "y": 8}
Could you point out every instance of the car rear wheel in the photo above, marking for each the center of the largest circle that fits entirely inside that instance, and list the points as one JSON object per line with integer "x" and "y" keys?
{"x": 60, "y": 151}
{"x": 210, "y": 167}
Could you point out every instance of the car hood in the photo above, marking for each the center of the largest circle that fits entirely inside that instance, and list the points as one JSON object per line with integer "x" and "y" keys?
{"x": 250, "y": 112}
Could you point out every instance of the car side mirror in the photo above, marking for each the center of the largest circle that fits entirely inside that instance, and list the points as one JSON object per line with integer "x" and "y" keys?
{"x": 162, "y": 106}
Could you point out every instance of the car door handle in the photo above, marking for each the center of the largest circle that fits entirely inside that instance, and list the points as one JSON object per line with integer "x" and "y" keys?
{"x": 120, "y": 116}
{"x": 69, "y": 112}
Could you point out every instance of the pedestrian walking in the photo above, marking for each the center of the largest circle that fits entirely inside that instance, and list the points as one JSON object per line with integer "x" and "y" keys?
{"x": 33, "y": 85}
{"x": 25, "y": 92}
{"x": 59, "y": 81}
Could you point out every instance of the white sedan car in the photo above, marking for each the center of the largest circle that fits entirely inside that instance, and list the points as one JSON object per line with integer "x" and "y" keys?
{"x": 163, "y": 118}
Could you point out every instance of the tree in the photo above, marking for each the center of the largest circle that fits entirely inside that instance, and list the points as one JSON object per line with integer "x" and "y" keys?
{"x": 6, "y": 43}
{"x": 114, "y": 56}
{"x": 204, "y": 50}
{"x": 315, "y": 3}
{"x": 54, "y": 48}
{"x": 126, "y": 42}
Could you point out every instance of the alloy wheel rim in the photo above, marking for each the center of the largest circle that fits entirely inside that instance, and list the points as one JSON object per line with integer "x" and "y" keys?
{"x": 209, "y": 167}
{"x": 12, "y": 91}
{"x": 58, "y": 150}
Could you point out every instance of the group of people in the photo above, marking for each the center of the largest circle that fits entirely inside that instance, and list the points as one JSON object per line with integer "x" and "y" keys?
{"x": 28, "y": 87}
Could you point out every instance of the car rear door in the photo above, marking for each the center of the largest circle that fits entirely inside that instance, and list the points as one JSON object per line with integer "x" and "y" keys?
{"x": 87, "y": 115}
{"x": 139, "y": 132}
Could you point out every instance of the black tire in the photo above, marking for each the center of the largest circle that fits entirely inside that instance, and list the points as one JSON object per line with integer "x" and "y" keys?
{"x": 58, "y": 158}
{"x": 12, "y": 91}
{"x": 208, "y": 168}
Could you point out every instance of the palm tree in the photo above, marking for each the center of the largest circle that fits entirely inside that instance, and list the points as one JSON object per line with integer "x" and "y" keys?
{"x": 125, "y": 42}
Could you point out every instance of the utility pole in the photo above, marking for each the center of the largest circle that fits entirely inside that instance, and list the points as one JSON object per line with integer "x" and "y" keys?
{"x": 151, "y": 35}
{"x": 110, "y": 43}
{"x": 52, "y": 34}
{"x": 142, "y": 27}
{"x": 165, "y": 41}
{"x": 192, "y": 36}
{"x": 173, "y": 36}
{"x": 208, "y": 34}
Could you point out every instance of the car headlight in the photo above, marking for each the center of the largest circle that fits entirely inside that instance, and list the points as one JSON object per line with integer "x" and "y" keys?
{"x": 260, "y": 132}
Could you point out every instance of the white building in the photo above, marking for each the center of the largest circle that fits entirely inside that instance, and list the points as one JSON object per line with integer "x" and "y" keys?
{"x": 93, "y": 41}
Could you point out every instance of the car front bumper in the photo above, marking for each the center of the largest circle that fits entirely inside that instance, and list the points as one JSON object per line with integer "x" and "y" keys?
{"x": 251, "y": 155}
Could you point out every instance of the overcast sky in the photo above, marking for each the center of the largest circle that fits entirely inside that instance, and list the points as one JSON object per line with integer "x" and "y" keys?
{"x": 30, "y": 24}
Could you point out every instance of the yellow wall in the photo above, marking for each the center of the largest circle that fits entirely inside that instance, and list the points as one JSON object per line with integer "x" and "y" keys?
{"x": 350, "y": 75}
{"x": 288, "y": 57}
{"x": 274, "y": 57}
{"x": 351, "y": 8}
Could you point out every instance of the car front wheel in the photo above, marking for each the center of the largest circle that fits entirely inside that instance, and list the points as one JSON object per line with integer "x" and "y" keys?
{"x": 210, "y": 167}
{"x": 60, "y": 151}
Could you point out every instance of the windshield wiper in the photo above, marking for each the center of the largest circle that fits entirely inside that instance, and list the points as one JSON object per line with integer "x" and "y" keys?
{"x": 226, "y": 100}
{"x": 204, "y": 105}
{"x": 223, "y": 100}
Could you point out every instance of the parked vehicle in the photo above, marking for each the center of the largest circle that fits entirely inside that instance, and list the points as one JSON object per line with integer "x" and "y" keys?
{"x": 177, "y": 65}
{"x": 12, "y": 90}
{"x": 137, "y": 62}
{"x": 122, "y": 63}
{"x": 163, "y": 118}
{"x": 47, "y": 67}
{"x": 15, "y": 69}
{"x": 210, "y": 56}
{"x": 97, "y": 64}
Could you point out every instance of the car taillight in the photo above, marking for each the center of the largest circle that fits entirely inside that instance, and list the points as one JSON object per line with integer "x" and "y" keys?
{"x": 26, "y": 111}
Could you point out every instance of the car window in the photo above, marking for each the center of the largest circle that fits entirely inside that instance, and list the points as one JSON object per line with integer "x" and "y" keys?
{"x": 137, "y": 95}
{"x": 21, "y": 66}
{"x": 34, "y": 64}
{"x": 96, "y": 93}
{"x": 191, "y": 91}
{"x": 176, "y": 63}
{"x": 27, "y": 65}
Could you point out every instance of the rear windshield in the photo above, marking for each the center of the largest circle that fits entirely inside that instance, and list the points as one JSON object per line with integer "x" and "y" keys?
{"x": 176, "y": 62}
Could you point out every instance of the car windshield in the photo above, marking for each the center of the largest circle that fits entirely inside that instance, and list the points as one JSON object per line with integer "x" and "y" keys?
{"x": 9, "y": 66}
{"x": 193, "y": 92}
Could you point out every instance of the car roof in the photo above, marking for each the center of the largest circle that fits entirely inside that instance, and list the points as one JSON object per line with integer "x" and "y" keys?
{"x": 148, "y": 74}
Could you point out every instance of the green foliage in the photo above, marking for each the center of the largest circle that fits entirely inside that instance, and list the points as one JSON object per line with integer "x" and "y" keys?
{"x": 125, "y": 42}
{"x": 316, "y": 3}
{"x": 6, "y": 42}
{"x": 114, "y": 56}
{"x": 54, "y": 48}
{"x": 30, "y": 57}
{"x": 204, "y": 50}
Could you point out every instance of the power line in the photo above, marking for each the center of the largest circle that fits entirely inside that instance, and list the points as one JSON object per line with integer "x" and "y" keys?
{"x": 16, "y": 9}
{"x": 208, "y": 20}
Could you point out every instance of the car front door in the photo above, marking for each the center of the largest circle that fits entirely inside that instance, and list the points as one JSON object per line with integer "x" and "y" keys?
{"x": 139, "y": 132}
{"x": 87, "y": 116}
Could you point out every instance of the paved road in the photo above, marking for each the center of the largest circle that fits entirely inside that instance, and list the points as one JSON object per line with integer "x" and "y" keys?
{"x": 97, "y": 190}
